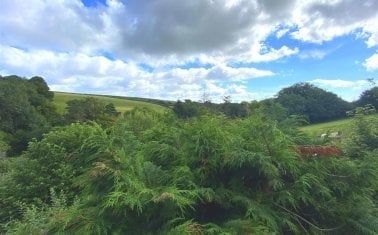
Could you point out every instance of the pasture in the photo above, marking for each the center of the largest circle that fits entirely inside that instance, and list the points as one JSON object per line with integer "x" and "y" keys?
{"x": 343, "y": 125}
{"x": 122, "y": 104}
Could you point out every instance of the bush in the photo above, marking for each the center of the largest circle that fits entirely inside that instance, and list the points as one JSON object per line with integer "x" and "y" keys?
{"x": 154, "y": 173}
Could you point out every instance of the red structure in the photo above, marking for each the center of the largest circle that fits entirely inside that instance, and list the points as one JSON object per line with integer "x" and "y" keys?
{"x": 313, "y": 151}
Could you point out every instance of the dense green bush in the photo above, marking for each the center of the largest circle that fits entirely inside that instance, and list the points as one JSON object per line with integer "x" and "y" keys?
{"x": 153, "y": 173}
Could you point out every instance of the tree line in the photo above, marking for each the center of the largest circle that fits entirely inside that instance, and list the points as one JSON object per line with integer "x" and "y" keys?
{"x": 304, "y": 99}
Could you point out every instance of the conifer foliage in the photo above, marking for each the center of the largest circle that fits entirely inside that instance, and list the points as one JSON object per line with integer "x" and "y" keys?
{"x": 152, "y": 173}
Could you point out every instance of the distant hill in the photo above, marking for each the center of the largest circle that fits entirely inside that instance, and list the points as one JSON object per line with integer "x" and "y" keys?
{"x": 122, "y": 103}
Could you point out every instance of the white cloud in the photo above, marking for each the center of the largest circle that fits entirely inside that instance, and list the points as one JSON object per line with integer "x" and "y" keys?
{"x": 371, "y": 63}
{"x": 80, "y": 72}
{"x": 60, "y": 66}
{"x": 313, "y": 54}
{"x": 261, "y": 53}
{"x": 318, "y": 20}
{"x": 348, "y": 90}
{"x": 338, "y": 83}
{"x": 223, "y": 72}
{"x": 280, "y": 33}
{"x": 59, "y": 25}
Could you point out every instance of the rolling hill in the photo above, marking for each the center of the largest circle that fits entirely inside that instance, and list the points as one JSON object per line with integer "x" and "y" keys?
{"x": 122, "y": 103}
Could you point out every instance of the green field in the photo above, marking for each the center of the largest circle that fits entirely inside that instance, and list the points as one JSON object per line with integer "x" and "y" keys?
{"x": 343, "y": 125}
{"x": 122, "y": 104}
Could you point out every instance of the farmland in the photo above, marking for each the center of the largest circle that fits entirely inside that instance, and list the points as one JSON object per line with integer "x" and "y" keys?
{"x": 122, "y": 104}
{"x": 342, "y": 125}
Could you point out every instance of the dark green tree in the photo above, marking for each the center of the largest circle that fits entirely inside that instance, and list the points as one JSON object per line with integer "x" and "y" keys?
{"x": 234, "y": 110}
{"x": 316, "y": 104}
{"x": 90, "y": 109}
{"x": 26, "y": 108}
{"x": 187, "y": 109}
{"x": 369, "y": 97}
{"x": 42, "y": 87}
{"x": 111, "y": 110}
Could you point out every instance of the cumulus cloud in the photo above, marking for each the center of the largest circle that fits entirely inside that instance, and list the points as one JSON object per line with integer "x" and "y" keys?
{"x": 185, "y": 26}
{"x": 58, "y": 25}
{"x": 80, "y": 72}
{"x": 339, "y": 83}
{"x": 319, "y": 21}
{"x": 223, "y": 72}
{"x": 371, "y": 63}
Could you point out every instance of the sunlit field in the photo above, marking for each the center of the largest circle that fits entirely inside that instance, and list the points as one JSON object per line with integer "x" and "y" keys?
{"x": 122, "y": 105}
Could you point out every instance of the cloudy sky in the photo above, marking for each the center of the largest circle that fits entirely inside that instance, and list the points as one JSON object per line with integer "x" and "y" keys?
{"x": 170, "y": 49}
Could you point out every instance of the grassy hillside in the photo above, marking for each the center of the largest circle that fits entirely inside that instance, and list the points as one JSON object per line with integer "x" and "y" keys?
{"x": 122, "y": 104}
{"x": 342, "y": 125}
{"x": 164, "y": 103}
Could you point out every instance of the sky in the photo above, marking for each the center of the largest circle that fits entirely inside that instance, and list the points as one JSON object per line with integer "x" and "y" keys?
{"x": 170, "y": 49}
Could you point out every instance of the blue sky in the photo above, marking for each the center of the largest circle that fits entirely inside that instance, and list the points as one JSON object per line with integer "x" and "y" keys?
{"x": 340, "y": 59}
{"x": 168, "y": 49}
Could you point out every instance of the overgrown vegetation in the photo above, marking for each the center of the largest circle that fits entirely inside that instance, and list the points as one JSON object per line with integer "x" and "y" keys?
{"x": 199, "y": 169}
